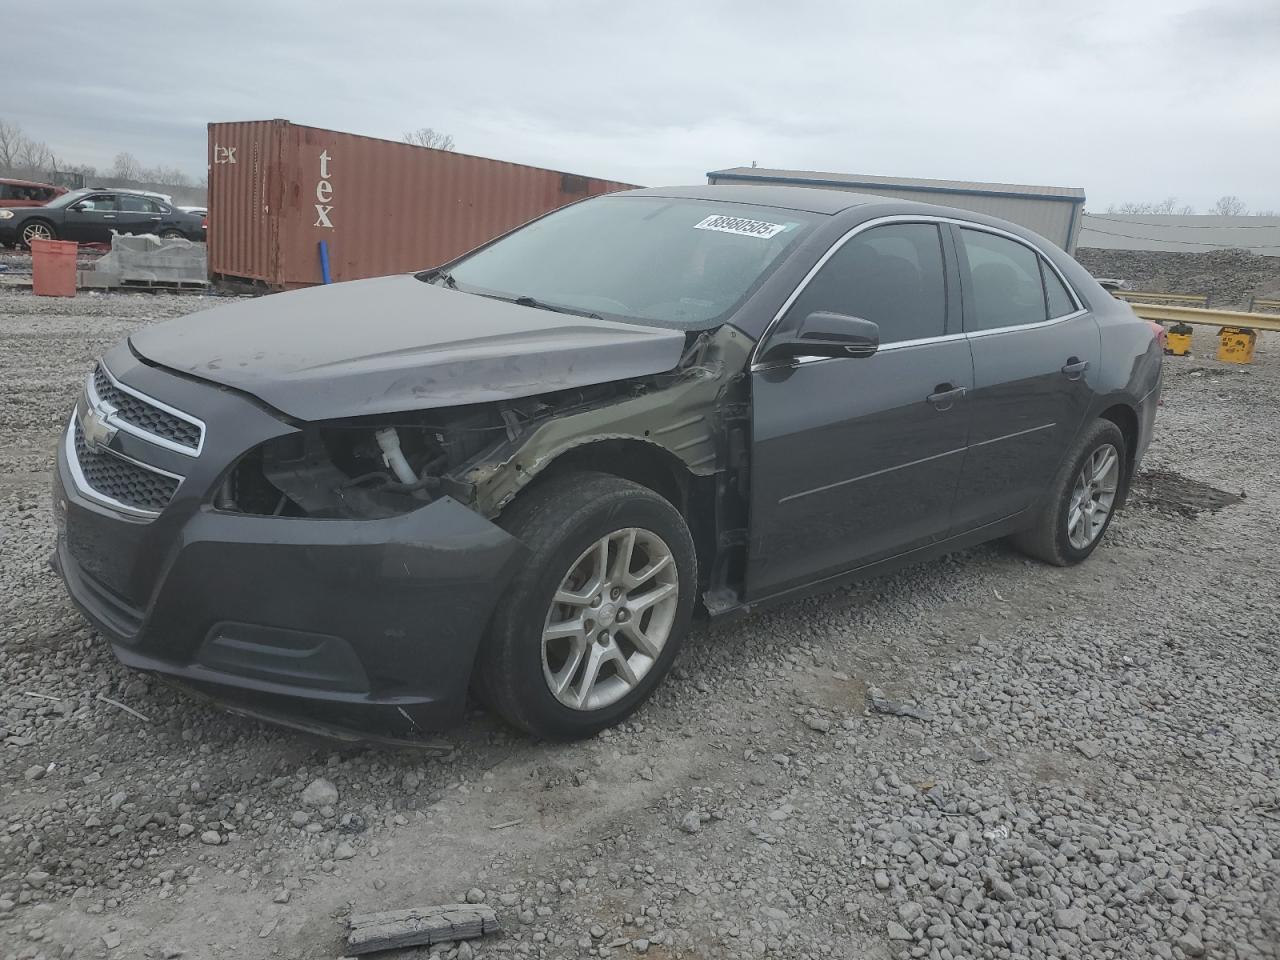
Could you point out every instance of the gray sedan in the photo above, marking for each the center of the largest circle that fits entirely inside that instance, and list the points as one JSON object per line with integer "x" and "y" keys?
{"x": 524, "y": 472}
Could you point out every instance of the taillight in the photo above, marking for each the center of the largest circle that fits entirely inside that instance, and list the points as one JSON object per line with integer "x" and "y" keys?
{"x": 1161, "y": 335}
{"x": 204, "y": 223}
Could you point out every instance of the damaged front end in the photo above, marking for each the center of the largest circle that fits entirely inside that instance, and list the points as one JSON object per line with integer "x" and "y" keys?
{"x": 687, "y": 427}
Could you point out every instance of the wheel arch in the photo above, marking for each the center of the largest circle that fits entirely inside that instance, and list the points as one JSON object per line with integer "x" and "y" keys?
{"x": 652, "y": 466}
{"x": 1125, "y": 417}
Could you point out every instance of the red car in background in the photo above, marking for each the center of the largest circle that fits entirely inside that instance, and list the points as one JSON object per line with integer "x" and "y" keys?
{"x": 27, "y": 193}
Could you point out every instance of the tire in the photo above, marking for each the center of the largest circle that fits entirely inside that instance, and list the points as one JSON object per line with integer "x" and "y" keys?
{"x": 1059, "y": 535}
{"x": 37, "y": 230}
{"x": 563, "y": 521}
{"x": 172, "y": 235}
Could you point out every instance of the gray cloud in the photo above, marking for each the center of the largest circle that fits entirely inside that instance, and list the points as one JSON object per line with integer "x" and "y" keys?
{"x": 1134, "y": 100}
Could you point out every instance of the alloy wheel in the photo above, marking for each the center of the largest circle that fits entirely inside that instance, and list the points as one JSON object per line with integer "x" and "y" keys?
{"x": 1093, "y": 496}
{"x": 36, "y": 231}
{"x": 610, "y": 619}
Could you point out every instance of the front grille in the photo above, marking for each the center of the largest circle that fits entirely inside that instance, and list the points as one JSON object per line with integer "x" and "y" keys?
{"x": 121, "y": 480}
{"x": 145, "y": 416}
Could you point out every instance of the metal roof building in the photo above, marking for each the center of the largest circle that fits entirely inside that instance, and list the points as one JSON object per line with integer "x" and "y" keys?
{"x": 1052, "y": 212}
{"x": 1181, "y": 234}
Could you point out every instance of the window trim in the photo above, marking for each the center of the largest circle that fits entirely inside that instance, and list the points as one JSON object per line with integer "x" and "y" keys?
{"x": 1071, "y": 295}
{"x": 755, "y": 362}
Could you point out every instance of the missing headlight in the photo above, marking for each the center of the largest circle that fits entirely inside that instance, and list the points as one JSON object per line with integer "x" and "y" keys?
{"x": 357, "y": 470}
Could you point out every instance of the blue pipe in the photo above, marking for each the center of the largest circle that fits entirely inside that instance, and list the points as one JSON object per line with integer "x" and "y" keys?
{"x": 324, "y": 261}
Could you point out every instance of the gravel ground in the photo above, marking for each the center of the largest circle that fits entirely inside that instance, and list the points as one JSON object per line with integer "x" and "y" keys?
{"x": 979, "y": 757}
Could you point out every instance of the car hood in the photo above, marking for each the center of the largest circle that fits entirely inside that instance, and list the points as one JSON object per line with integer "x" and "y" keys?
{"x": 396, "y": 343}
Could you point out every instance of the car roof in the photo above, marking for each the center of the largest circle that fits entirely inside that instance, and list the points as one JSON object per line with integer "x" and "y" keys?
{"x": 27, "y": 183}
{"x": 137, "y": 193}
{"x": 806, "y": 199}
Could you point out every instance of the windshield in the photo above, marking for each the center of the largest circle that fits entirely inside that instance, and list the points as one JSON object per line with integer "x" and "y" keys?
{"x": 68, "y": 198}
{"x": 684, "y": 264}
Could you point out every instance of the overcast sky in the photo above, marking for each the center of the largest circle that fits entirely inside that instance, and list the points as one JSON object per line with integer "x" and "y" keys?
{"x": 1130, "y": 99}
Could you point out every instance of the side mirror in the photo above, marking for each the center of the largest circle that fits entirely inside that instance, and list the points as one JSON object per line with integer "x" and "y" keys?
{"x": 77, "y": 208}
{"x": 828, "y": 335}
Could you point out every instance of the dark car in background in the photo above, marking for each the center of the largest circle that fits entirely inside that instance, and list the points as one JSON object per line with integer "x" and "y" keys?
{"x": 27, "y": 193}
{"x": 523, "y": 472}
{"x": 90, "y": 216}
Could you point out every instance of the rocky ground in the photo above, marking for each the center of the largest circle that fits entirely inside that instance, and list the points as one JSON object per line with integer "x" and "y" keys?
{"x": 1229, "y": 278}
{"x": 979, "y": 757}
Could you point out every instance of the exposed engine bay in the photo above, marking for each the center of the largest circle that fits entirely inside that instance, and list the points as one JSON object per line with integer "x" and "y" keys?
{"x": 482, "y": 454}
{"x": 365, "y": 470}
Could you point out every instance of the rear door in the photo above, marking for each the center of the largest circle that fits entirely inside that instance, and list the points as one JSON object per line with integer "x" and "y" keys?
{"x": 1035, "y": 360}
{"x": 137, "y": 214}
{"x": 93, "y": 219}
{"x": 857, "y": 459}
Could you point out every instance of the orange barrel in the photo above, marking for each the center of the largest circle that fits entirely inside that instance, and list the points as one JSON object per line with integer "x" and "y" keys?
{"x": 53, "y": 268}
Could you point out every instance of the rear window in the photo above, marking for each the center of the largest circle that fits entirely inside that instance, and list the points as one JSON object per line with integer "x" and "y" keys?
{"x": 12, "y": 191}
{"x": 1004, "y": 280}
{"x": 1059, "y": 300}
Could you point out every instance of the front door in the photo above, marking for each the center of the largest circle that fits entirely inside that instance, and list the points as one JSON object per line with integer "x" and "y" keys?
{"x": 856, "y": 460}
{"x": 1035, "y": 359}
{"x": 92, "y": 219}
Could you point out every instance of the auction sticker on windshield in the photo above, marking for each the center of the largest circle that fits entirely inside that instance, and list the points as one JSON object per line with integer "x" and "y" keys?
{"x": 744, "y": 228}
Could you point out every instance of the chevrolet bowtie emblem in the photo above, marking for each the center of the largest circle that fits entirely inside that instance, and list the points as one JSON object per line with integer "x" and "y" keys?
{"x": 94, "y": 425}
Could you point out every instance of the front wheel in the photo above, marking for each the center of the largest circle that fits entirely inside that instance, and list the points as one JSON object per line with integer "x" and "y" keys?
{"x": 37, "y": 230}
{"x": 1081, "y": 501}
{"x": 172, "y": 235}
{"x": 593, "y": 621}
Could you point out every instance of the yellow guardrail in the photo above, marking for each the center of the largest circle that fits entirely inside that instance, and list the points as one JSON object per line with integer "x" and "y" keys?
{"x": 1266, "y": 303}
{"x": 1141, "y": 296}
{"x": 1170, "y": 313}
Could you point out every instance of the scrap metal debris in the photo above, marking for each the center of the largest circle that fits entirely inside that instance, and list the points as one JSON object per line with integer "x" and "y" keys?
{"x": 879, "y": 703}
{"x": 419, "y": 927}
{"x": 118, "y": 704}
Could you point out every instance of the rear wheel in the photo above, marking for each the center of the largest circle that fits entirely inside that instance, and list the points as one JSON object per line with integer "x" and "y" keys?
{"x": 172, "y": 235}
{"x": 593, "y": 621}
{"x": 37, "y": 230}
{"x": 1081, "y": 500}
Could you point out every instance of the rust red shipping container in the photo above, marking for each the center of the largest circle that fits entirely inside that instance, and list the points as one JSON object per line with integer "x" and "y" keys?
{"x": 277, "y": 189}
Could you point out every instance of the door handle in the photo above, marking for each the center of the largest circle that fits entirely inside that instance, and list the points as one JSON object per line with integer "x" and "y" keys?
{"x": 108, "y": 216}
{"x": 154, "y": 218}
{"x": 945, "y": 395}
{"x": 1075, "y": 368}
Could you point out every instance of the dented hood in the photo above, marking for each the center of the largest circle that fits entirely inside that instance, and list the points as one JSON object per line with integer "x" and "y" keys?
{"x": 396, "y": 343}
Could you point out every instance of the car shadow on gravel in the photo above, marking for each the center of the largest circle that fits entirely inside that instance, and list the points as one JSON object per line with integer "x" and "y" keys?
{"x": 1168, "y": 492}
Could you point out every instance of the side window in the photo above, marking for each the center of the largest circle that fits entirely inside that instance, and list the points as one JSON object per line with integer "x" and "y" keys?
{"x": 892, "y": 275}
{"x": 131, "y": 203}
{"x": 1060, "y": 302}
{"x": 100, "y": 202}
{"x": 8, "y": 192}
{"x": 1004, "y": 282}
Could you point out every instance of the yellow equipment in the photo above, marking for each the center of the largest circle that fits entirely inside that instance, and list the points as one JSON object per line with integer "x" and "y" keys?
{"x": 1235, "y": 344}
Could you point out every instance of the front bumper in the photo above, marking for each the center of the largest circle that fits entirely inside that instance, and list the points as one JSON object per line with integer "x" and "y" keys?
{"x": 367, "y": 624}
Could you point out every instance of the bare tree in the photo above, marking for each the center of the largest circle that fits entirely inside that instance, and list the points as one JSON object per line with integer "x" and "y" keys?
{"x": 126, "y": 167}
{"x": 427, "y": 137}
{"x": 168, "y": 176}
{"x": 1169, "y": 205}
{"x": 1229, "y": 206}
{"x": 34, "y": 157}
{"x": 11, "y": 140}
